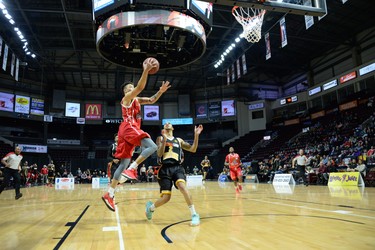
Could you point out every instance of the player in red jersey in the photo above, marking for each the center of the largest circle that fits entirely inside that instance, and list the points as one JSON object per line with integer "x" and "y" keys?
{"x": 233, "y": 160}
{"x": 130, "y": 133}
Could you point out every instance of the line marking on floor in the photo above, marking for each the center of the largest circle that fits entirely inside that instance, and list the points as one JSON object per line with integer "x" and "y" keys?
{"x": 118, "y": 229}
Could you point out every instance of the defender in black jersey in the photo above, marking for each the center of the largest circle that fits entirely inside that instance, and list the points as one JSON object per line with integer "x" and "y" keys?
{"x": 113, "y": 162}
{"x": 170, "y": 153}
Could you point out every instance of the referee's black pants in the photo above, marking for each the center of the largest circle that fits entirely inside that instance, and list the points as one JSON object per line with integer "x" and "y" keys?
{"x": 8, "y": 173}
{"x": 301, "y": 173}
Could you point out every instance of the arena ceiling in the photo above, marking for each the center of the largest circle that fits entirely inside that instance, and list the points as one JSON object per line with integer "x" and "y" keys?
{"x": 62, "y": 34}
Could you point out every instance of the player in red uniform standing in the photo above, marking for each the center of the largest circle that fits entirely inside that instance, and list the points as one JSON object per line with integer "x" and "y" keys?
{"x": 233, "y": 160}
{"x": 130, "y": 133}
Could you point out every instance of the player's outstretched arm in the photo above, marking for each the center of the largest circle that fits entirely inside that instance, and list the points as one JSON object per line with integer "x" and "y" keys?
{"x": 161, "y": 142}
{"x": 147, "y": 66}
{"x": 151, "y": 100}
{"x": 193, "y": 148}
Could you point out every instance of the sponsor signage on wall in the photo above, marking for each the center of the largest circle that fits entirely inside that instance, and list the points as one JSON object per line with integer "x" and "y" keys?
{"x": 318, "y": 114}
{"x": 228, "y": 108}
{"x": 178, "y": 121}
{"x": 93, "y": 111}
{"x": 112, "y": 120}
{"x": 72, "y": 109}
{"x": 348, "y": 105}
{"x": 201, "y": 110}
{"x": 151, "y": 113}
{"x": 367, "y": 69}
{"x": 22, "y": 104}
{"x": 256, "y": 106}
{"x": 6, "y": 101}
{"x": 330, "y": 84}
{"x": 348, "y": 77}
{"x": 214, "y": 110}
{"x": 314, "y": 91}
{"x": 37, "y": 106}
{"x": 27, "y": 148}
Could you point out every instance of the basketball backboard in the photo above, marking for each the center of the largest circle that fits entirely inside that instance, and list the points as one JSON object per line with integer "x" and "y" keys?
{"x": 298, "y": 7}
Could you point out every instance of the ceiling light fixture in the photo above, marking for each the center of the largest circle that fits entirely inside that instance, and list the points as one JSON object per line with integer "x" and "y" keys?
{"x": 228, "y": 50}
{"x": 16, "y": 29}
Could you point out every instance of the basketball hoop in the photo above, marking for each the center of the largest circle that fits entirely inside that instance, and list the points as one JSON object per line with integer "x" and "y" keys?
{"x": 251, "y": 21}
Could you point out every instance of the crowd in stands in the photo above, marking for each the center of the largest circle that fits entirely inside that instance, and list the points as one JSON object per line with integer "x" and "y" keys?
{"x": 339, "y": 142}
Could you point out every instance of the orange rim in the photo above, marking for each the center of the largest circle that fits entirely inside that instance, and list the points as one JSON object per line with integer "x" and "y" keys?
{"x": 262, "y": 12}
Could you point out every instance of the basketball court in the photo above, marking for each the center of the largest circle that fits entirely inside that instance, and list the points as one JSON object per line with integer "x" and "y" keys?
{"x": 261, "y": 217}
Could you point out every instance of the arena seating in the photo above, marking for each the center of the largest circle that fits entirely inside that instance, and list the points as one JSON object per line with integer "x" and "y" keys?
{"x": 243, "y": 145}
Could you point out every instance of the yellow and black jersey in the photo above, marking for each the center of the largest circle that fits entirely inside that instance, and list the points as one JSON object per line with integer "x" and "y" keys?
{"x": 206, "y": 163}
{"x": 173, "y": 153}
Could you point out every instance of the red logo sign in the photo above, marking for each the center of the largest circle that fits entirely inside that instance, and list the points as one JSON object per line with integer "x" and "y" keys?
{"x": 93, "y": 112}
{"x": 348, "y": 77}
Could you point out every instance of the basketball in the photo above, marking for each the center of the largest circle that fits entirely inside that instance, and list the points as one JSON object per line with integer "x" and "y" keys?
{"x": 154, "y": 62}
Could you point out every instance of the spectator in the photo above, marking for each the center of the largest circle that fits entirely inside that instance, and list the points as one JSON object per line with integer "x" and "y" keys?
{"x": 370, "y": 152}
{"x": 51, "y": 173}
{"x": 25, "y": 170}
{"x": 44, "y": 174}
{"x": 78, "y": 177}
{"x": 143, "y": 173}
{"x": 361, "y": 167}
{"x": 103, "y": 175}
{"x": 150, "y": 174}
{"x": 322, "y": 173}
{"x": 65, "y": 173}
{"x": 352, "y": 164}
{"x": 84, "y": 177}
{"x": 195, "y": 170}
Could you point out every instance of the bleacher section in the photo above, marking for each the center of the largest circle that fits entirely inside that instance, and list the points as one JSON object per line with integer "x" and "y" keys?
{"x": 5, "y": 149}
{"x": 243, "y": 145}
{"x": 283, "y": 134}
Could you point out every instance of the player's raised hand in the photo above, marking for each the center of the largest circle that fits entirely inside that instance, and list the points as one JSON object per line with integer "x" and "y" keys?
{"x": 164, "y": 86}
{"x": 164, "y": 133}
{"x": 198, "y": 130}
{"x": 147, "y": 65}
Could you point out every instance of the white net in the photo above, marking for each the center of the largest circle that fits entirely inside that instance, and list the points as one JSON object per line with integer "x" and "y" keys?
{"x": 251, "y": 21}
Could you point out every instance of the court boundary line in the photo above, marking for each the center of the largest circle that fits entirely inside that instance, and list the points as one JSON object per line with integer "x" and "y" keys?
{"x": 121, "y": 238}
{"x": 72, "y": 226}
{"x": 310, "y": 208}
{"x": 311, "y": 202}
{"x": 168, "y": 240}
{"x": 116, "y": 228}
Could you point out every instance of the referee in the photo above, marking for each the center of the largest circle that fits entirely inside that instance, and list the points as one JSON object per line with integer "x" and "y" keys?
{"x": 12, "y": 169}
{"x": 301, "y": 160}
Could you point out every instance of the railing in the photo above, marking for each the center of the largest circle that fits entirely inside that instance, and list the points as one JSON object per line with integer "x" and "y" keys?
{"x": 6, "y": 141}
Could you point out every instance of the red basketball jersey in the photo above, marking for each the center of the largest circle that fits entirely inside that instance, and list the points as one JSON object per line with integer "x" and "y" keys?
{"x": 132, "y": 114}
{"x": 234, "y": 160}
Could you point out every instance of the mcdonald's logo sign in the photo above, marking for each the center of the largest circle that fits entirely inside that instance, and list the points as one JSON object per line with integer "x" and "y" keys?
{"x": 93, "y": 111}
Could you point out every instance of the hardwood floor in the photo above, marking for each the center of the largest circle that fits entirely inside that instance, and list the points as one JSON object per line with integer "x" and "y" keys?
{"x": 261, "y": 217}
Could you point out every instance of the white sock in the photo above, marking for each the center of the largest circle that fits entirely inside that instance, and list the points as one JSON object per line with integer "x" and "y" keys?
{"x": 152, "y": 208}
{"x": 192, "y": 209}
{"x": 134, "y": 165}
{"x": 111, "y": 192}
